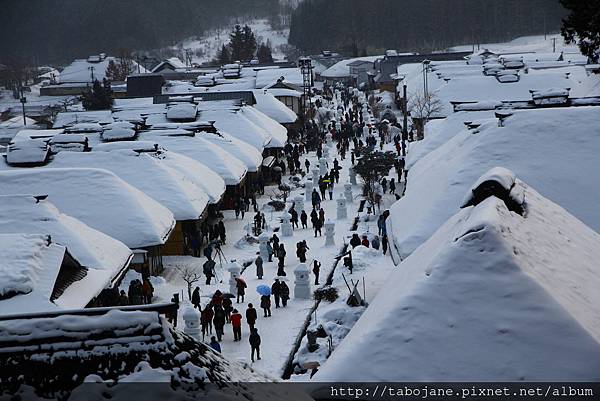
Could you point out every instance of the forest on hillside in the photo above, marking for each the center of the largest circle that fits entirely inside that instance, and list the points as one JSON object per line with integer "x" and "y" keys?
{"x": 358, "y": 27}
{"x": 44, "y": 31}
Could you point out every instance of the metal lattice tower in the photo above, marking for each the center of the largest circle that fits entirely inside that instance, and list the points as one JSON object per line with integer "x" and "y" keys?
{"x": 306, "y": 69}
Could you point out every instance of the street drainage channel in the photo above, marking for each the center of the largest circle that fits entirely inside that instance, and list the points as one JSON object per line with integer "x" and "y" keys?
{"x": 289, "y": 365}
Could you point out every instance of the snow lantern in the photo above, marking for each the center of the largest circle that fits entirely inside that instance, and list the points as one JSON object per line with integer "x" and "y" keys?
{"x": 352, "y": 176}
{"x": 286, "y": 226}
{"x": 302, "y": 282}
{"x": 322, "y": 166}
{"x": 315, "y": 177}
{"x": 234, "y": 270}
{"x": 326, "y": 152}
{"x": 348, "y": 192}
{"x": 191, "y": 317}
{"x": 263, "y": 248}
{"x": 299, "y": 203}
{"x": 342, "y": 211}
{"x": 308, "y": 187}
{"x": 329, "y": 233}
{"x": 329, "y": 137}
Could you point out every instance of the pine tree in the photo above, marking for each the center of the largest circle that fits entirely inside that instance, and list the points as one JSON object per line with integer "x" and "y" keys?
{"x": 249, "y": 43}
{"x": 264, "y": 54}
{"x": 236, "y": 43}
{"x": 583, "y": 26}
{"x": 99, "y": 97}
{"x": 224, "y": 57}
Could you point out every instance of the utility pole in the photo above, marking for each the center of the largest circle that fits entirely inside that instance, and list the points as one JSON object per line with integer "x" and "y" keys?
{"x": 405, "y": 125}
{"x": 23, "y": 101}
{"x": 553, "y": 45}
{"x": 92, "y": 70}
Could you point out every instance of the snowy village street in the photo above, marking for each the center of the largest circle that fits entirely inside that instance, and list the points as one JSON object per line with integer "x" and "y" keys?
{"x": 270, "y": 200}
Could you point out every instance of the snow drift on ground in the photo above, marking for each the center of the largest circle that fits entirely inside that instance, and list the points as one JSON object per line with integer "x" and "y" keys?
{"x": 491, "y": 296}
{"x": 549, "y": 148}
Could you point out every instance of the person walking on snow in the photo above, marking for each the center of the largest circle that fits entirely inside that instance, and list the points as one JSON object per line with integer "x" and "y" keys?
{"x": 281, "y": 256}
{"x": 285, "y": 293}
{"x": 316, "y": 199}
{"x": 251, "y": 316}
{"x": 196, "y": 298}
{"x": 259, "y": 267}
{"x": 219, "y": 321}
{"x": 393, "y": 186}
{"x": 240, "y": 285}
{"x": 304, "y": 219}
{"x": 236, "y": 324}
{"x": 265, "y": 304}
{"x": 276, "y": 291}
{"x": 254, "y": 340}
{"x": 316, "y": 270}
{"x": 227, "y": 307}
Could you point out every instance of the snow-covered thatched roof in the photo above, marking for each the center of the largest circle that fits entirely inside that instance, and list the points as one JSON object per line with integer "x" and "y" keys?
{"x": 98, "y": 198}
{"x": 241, "y": 150}
{"x": 267, "y": 103}
{"x": 148, "y": 173}
{"x": 224, "y": 164}
{"x": 492, "y": 295}
{"x": 236, "y": 123}
{"x": 104, "y": 257}
{"x": 195, "y": 171}
{"x": 548, "y": 148}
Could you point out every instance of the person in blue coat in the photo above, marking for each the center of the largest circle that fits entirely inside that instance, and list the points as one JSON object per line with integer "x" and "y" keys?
{"x": 214, "y": 344}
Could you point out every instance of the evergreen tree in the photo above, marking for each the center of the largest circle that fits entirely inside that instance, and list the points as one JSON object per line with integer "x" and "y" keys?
{"x": 99, "y": 97}
{"x": 249, "y": 41}
{"x": 236, "y": 43}
{"x": 224, "y": 56}
{"x": 582, "y": 25}
{"x": 264, "y": 53}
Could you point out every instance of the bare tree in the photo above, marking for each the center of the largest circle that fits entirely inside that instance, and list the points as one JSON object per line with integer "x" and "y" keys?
{"x": 190, "y": 275}
{"x": 422, "y": 108}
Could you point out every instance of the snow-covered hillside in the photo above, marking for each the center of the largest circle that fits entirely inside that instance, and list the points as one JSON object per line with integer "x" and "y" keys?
{"x": 206, "y": 47}
{"x": 492, "y": 296}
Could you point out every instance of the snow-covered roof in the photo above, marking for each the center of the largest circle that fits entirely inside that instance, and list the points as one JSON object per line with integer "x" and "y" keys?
{"x": 149, "y": 174}
{"x": 118, "y": 134}
{"x": 342, "y": 68}
{"x": 29, "y": 265}
{"x": 98, "y": 198}
{"x": 195, "y": 171}
{"x": 104, "y": 257}
{"x": 226, "y": 165}
{"x": 490, "y": 296}
{"x": 173, "y": 63}
{"x": 269, "y": 105}
{"x": 277, "y": 131}
{"x": 66, "y": 119}
{"x": 268, "y": 76}
{"x": 17, "y": 122}
{"x": 27, "y": 152}
{"x": 549, "y": 148}
{"x": 237, "y": 124}
{"x": 181, "y": 112}
{"x": 26, "y": 134}
{"x": 80, "y": 70}
{"x": 241, "y": 150}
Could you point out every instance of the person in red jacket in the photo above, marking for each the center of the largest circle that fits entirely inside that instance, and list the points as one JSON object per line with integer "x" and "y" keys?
{"x": 236, "y": 322}
{"x": 365, "y": 241}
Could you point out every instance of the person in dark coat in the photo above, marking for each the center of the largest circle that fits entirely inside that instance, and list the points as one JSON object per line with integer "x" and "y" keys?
{"x": 265, "y": 304}
{"x": 316, "y": 199}
{"x": 254, "y": 340}
{"x": 123, "y": 299}
{"x": 393, "y": 185}
{"x": 251, "y": 316}
{"x": 365, "y": 241}
{"x": 208, "y": 268}
{"x": 214, "y": 344}
{"x": 285, "y": 293}
{"x": 322, "y": 216}
{"x": 355, "y": 240}
{"x": 240, "y": 286}
{"x": 304, "y": 219}
{"x": 222, "y": 232}
{"x": 316, "y": 270}
{"x": 317, "y": 225}
{"x": 314, "y": 216}
{"x": 219, "y": 321}
{"x": 227, "y": 307}
{"x": 196, "y": 298}
{"x": 259, "y": 267}
{"x": 294, "y": 217}
{"x": 281, "y": 256}
{"x": 276, "y": 291}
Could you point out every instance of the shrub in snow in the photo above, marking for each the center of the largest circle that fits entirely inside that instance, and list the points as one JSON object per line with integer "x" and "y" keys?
{"x": 326, "y": 293}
